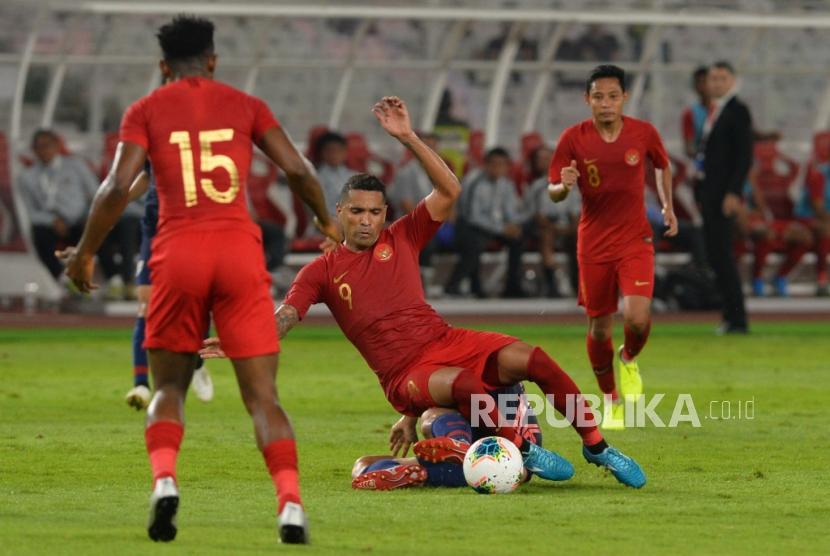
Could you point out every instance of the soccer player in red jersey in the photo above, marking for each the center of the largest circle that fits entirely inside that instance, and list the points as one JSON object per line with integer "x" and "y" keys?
{"x": 371, "y": 283}
{"x": 207, "y": 255}
{"x": 605, "y": 157}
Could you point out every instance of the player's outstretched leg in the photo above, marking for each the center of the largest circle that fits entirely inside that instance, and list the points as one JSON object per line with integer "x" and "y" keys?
{"x": 446, "y": 437}
{"x": 519, "y": 361}
{"x": 139, "y": 395}
{"x": 202, "y": 384}
{"x": 637, "y": 315}
{"x": 601, "y": 355}
{"x": 257, "y": 384}
{"x": 385, "y": 473}
{"x": 462, "y": 387}
{"x": 163, "y": 435}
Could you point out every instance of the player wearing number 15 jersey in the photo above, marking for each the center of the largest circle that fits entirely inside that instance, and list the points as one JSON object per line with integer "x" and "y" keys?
{"x": 207, "y": 255}
{"x": 605, "y": 156}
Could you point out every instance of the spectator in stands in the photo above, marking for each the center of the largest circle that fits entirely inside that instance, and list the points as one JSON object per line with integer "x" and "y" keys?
{"x": 814, "y": 208}
{"x": 488, "y": 210}
{"x": 332, "y": 170}
{"x": 694, "y": 116}
{"x": 118, "y": 253}
{"x": 57, "y": 191}
{"x": 551, "y": 223}
{"x": 772, "y": 217}
{"x": 410, "y": 186}
{"x": 689, "y": 235}
{"x": 726, "y": 152}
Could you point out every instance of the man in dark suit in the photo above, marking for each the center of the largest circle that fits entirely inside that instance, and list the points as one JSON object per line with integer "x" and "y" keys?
{"x": 726, "y": 153}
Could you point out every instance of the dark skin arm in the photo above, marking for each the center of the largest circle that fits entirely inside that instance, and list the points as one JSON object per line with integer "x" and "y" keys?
{"x": 107, "y": 206}
{"x": 301, "y": 179}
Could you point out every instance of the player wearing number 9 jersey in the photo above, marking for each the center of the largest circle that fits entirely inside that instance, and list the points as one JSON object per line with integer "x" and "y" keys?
{"x": 207, "y": 255}
{"x": 605, "y": 156}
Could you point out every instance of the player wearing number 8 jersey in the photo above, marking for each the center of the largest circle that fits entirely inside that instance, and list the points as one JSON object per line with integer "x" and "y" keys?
{"x": 605, "y": 157}
{"x": 207, "y": 255}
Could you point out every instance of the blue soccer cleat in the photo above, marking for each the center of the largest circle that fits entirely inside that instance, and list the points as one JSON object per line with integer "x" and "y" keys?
{"x": 624, "y": 469}
{"x": 781, "y": 286}
{"x": 758, "y": 287}
{"x": 546, "y": 464}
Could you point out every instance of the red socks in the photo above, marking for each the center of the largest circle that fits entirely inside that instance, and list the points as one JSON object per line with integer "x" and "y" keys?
{"x": 163, "y": 439}
{"x": 794, "y": 254}
{"x": 466, "y": 384}
{"x": 634, "y": 342}
{"x": 601, "y": 355}
{"x": 822, "y": 251}
{"x": 553, "y": 381}
{"x": 761, "y": 251}
{"x": 281, "y": 459}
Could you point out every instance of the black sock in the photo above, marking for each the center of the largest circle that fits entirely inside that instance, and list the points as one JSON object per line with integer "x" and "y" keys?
{"x": 525, "y": 447}
{"x": 598, "y": 447}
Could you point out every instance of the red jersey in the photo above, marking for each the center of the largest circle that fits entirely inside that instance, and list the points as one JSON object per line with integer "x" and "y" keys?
{"x": 775, "y": 188}
{"x": 376, "y": 296}
{"x": 198, "y": 133}
{"x": 612, "y": 183}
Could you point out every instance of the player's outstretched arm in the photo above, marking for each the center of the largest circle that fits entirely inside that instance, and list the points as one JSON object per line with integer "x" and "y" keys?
{"x": 393, "y": 116}
{"x": 139, "y": 186}
{"x": 301, "y": 177}
{"x": 287, "y": 316}
{"x": 110, "y": 201}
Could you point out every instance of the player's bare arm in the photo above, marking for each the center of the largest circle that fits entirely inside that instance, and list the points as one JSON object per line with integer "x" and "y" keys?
{"x": 559, "y": 191}
{"x": 393, "y": 116}
{"x": 403, "y": 435}
{"x": 277, "y": 145}
{"x": 286, "y": 315}
{"x": 109, "y": 203}
{"x": 139, "y": 187}
{"x": 664, "y": 191}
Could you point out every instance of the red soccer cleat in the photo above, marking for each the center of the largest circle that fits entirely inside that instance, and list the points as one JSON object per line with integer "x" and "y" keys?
{"x": 442, "y": 449}
{"x": 400, "y": 476}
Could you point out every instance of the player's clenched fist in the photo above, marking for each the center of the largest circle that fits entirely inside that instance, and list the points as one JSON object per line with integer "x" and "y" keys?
{"x": 393, "y": 116}
{"x": 569, "y": 175}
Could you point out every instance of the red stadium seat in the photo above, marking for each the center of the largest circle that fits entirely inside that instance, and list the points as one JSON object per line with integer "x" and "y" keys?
{"x": 258, "y": 184}
{"x": 360, "y": 159}
{"x": 110, "y": 144}
{"x": 475, "y": 150}
{"x": 821, "y": 147}
{"x": 10, "y": 236}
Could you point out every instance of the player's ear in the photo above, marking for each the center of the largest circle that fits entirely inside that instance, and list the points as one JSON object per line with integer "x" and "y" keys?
{"x": 211, "y": 63}
{"x": 166, "y": 71}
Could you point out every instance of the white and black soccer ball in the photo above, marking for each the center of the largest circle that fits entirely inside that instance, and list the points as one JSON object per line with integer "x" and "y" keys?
{"x": 493, "y": 465}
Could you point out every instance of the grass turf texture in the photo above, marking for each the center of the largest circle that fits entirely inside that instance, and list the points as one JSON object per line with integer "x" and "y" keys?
{"x": 74, "y": 477}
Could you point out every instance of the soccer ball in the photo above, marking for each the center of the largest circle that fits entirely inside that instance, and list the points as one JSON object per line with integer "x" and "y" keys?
{"x": 493, "y": 465}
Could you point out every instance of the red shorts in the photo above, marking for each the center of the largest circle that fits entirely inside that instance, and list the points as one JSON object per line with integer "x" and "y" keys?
{"x": 222, "y": 272}
{"x": 600, "y": 284}
{"x": 779, "y": 227}
{"x": 467, "y": 349}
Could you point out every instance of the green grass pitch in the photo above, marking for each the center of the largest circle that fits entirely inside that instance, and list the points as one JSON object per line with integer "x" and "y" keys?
{"x": 74, "y": 477}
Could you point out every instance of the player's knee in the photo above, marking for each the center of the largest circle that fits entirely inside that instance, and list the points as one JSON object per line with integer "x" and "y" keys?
{"x": 639, "y": 322}
{"x": 429, "y": 417}
{"x": 360, "y": 465}
{"x": 599, "y": 331}
{"x": 258, "y": 399}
